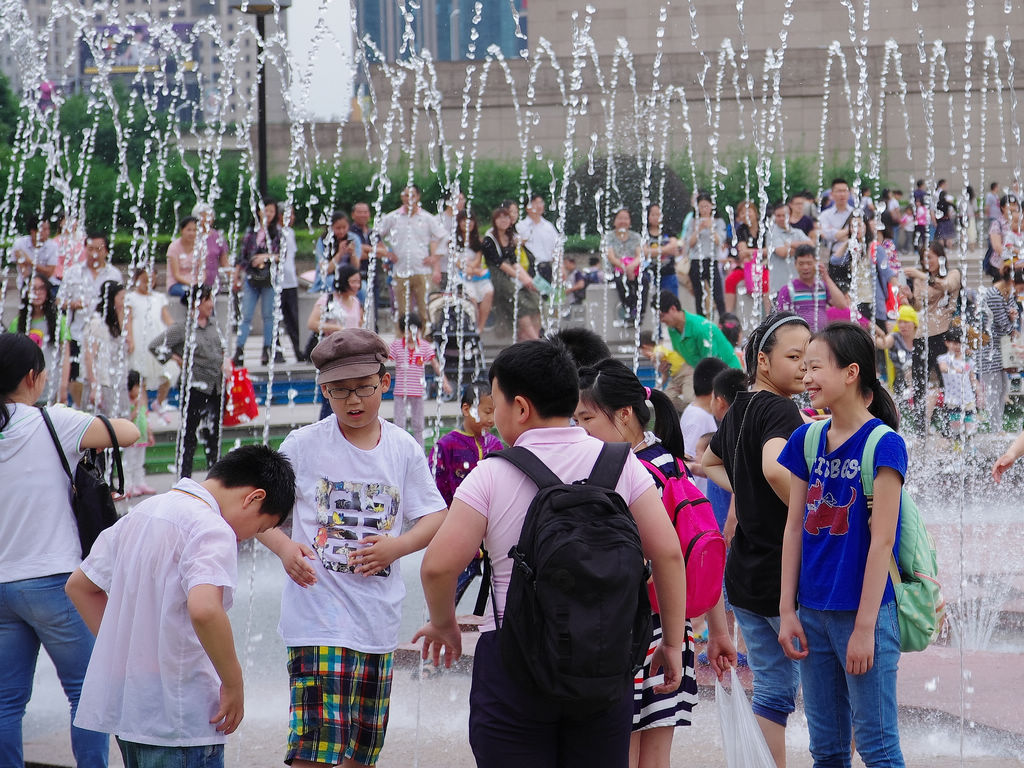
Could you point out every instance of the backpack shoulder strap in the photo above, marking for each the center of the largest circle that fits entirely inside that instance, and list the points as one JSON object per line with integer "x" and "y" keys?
{"x": 867, "y": 461}
{"x": 608, "y": 466}
{"x": 659, "y": 476}
{"x": 812, "y": 441}
{"x": 56, "y": 444}
{"x": 528, "y": 463}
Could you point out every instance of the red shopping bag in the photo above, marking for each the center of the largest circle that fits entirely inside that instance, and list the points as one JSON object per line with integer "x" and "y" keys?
{"x": 241, "y": 405}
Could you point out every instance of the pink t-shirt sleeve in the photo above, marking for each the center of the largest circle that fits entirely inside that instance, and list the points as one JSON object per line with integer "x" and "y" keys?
{"x": 395, "y": 349}
{"x": 476, "y": 489}
{"x": 634, "y": 480}
{"x": 427, "y": 350}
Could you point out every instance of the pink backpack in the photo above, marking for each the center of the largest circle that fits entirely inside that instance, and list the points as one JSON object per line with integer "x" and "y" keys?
{"x": 702, "y": 543}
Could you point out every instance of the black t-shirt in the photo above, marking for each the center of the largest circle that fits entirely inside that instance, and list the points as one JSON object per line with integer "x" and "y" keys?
{"x": 495, "y": 256}
{"x": 805, "y": 225}
{"x": 753, "y": 571}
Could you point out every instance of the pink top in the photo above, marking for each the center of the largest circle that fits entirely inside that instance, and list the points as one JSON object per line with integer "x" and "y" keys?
{"x": 502, "y": 493}
{"x": 409, "y": 364}
{"x": 186, "y": 263}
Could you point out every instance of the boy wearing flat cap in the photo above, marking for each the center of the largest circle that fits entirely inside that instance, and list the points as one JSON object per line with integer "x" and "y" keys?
{"x": 359, "y": 479}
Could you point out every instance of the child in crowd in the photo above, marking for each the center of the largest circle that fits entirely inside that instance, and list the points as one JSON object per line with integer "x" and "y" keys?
{"x": 164, "y": 676}
{"x": 411, "y": 353}
{"x": 675, "y": 376}
{"x": 359, "y": 480}
{"x": 742, "y": 458}
{"x": 733, "y": 332}
{"x": 135, "y": 455}
{"x": 454, "y": 455}
{"x": 615, "y": 407}
{"x": 536, "y": 391}
{"x": 697, "y": 418}
{"x": 836, "y": 556}
{"x": 574, "y": 280}
{"x": 899, "y": 347}
{"x": 959, "y": 384}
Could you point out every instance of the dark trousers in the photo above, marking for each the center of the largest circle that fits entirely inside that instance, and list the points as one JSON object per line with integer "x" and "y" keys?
{"x": 709, "y": 270}
{"x": 290, "y": 315}
{"x": 633, "y": 294}
{"x": 510, "y": 727}
{"x": 201, "y": 405}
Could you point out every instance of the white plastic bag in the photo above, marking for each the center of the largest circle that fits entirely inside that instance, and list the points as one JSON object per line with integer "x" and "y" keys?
{"x": 742, "y": 740}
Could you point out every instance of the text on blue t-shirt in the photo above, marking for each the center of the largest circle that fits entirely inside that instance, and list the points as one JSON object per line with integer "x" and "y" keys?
{"x": 836, "y": 535}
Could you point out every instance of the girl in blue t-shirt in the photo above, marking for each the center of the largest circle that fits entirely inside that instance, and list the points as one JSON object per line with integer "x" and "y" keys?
{"x": 836, "y": 553}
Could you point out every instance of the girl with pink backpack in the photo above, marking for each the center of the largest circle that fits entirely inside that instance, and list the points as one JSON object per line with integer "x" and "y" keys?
{"x": 615, "y": 407}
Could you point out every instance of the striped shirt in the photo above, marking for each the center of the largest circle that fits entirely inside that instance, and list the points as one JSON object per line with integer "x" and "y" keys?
{"x": 409, "y": 365}
{"x": 996, "y": 322}
{"x": 810, "y": 302}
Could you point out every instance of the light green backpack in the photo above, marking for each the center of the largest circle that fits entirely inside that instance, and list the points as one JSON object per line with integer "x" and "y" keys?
{"x": 918, "y": 594}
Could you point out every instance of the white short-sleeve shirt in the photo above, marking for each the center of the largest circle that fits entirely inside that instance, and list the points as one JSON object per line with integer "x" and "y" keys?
{"x": 149, "y": 679}
{"x": 38, "y": 534}
{"x": 342, "y": 495}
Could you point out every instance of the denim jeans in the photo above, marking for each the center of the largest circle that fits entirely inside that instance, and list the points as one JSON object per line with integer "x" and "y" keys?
{"x": 251, "y": 296}
{"x": 834, "y": 700}
{"x": 149, "y": 756}
{"x": 34, "y": 612}
{"x": 776, "y": 677}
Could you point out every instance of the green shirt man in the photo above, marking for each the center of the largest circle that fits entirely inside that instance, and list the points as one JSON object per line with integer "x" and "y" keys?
{"x": 695, "y": 337}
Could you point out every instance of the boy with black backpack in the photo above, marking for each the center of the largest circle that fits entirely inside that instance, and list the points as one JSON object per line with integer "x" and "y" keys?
{"x": 554, "y": 684}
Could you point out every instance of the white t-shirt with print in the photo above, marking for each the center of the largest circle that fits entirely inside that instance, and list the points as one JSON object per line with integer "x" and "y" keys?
{"x": 38, "y": 534}
{"x": 342, "y": 495}
{"x": 149, "y": 679}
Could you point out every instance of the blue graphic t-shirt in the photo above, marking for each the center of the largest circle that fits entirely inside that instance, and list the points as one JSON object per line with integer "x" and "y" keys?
{"x": 836, "y": 536}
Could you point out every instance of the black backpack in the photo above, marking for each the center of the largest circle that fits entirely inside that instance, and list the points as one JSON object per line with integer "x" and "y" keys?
{"x": 91, "y": 499}
{"x": 577, "y": 621}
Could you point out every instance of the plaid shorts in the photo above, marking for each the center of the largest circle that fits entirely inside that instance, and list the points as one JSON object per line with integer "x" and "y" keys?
{"x": 339, "y": 704}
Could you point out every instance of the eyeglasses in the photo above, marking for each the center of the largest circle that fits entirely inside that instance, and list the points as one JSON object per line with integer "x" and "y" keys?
{"x": 343, "y": 393}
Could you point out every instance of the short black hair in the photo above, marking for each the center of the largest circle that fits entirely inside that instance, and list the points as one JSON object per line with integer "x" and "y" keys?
{"x": 31, "y": 222}
{"x": 472, "y": 393}
{"x": 704, "y": 375}
{"x": 647, "y": 339}
{"x": 186, "y": 221}
{"x": 838, "y": 180}
{"x": 541, "y": 371}
{"x": 536, "y": 196}
{"x": 584, "y": 346}
{"x": 728, "y": 383}
{"x": 406, "y": 320}
{"x": 259, "y": 466}
{"x": 94, "y": 235}
{"x": 669, "y": 300}
{"x": 134, "y": 379}
{"x": 804, "y": 249}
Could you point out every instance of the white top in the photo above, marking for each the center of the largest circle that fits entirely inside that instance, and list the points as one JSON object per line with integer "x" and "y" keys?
{"x": 149, "y": 679}
{"x": 541, "y": 238}
{"x": 80, "y": 284}
{"x": 288, "y": 277}
{"x": 146, "y": 316}
{"x": 43, "y": 255}
{"x": 695, "y": 422}
{"x": 38, "y": 535}
{"x": 782, "y": 270}
{"x": 109, "y": 354}
{"x": 343, "y": 494}
{"x": 832, "y": 220}
{"x": 410, "y": 238}
{"x": 502, "y": 494}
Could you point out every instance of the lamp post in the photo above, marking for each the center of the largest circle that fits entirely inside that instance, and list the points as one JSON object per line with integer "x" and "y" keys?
{"x": 260, "y": 9}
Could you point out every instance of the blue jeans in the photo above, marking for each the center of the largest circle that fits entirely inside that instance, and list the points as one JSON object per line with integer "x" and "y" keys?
{"x": 834, "y": 700}
{"x": 251, "y": 296}
{"x": 34, "y": 612}
{"x": 150, "y": 756}
{"x": 776, "y": 677}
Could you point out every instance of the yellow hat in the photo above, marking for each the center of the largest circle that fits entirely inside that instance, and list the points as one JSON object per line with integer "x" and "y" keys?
{"x": 908, "y": 314}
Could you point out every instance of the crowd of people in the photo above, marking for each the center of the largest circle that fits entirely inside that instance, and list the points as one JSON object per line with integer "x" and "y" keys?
{"x": 852, "y": 331}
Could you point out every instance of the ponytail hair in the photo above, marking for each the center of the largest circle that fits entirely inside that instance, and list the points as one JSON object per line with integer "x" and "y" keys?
{"x": 19, "y": 355}
{"x": 610, "y": 385}
{"x": 849, "y": 344}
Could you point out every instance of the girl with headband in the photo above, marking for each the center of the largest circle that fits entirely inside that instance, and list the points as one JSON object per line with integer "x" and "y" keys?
{"x": 742, "y": 457}
{"x": 615, "y": 407}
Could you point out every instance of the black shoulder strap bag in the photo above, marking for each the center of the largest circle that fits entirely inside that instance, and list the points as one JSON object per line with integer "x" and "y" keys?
{"x": 91, "y": 499}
